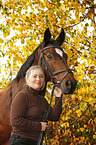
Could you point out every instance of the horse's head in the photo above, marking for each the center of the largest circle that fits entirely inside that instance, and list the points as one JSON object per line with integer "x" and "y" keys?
{"x": 54, "y": 62}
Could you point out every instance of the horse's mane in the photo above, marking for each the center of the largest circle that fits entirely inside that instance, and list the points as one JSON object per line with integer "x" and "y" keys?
{"x": 28, "y": 63}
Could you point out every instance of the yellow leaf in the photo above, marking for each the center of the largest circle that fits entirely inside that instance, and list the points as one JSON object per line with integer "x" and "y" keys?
{"x": 1, "y": 40}
{"x": 78, "y": 113}
{"x": 94, "y": 136}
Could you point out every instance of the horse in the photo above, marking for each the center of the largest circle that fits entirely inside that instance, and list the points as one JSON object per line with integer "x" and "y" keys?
{"x": 52, "y": 58}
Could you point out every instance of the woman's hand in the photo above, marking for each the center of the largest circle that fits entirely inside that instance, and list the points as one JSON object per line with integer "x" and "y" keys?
{"x": 44, "y": 126}
{"x": 58, "y": 92}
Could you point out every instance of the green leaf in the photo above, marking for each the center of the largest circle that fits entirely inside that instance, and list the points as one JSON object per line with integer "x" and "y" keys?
{"x": 86, "y": 24}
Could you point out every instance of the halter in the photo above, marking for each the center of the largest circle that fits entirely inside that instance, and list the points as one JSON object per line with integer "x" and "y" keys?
{"x": 53, "y": 75}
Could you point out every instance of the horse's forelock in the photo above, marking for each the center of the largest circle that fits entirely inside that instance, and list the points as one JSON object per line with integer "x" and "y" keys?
{"x": 53, "y": 42}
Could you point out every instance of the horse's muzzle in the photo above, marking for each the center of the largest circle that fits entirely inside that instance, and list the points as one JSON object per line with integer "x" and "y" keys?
{"x": 69, "y": 87}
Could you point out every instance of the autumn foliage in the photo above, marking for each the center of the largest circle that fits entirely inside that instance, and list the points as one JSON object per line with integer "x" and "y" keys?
{"x": 22, "y": 25}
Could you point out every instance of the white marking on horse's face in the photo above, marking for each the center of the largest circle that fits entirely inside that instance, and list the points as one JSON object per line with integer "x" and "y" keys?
{"x": 60, "y": 52}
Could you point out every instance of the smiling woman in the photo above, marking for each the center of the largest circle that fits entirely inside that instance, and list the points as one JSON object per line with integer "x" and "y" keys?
{"x": 27, "y": 119}
{"x": 35, "y": 78}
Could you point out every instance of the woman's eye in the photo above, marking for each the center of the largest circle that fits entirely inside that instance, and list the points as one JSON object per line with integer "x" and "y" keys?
{"x": 34, "y": 76}
{"x": 41, "y": 76}
{"x": 50, "y": 56}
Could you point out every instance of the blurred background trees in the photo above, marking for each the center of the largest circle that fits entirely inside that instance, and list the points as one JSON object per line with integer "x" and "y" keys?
{"x": 22, "y": 26}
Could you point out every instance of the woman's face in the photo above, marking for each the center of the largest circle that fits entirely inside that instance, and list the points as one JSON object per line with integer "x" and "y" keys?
{"x": 36, "y": 79}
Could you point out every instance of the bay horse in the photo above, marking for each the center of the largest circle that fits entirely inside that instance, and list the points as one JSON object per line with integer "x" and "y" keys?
{"x": 51, "y": 57}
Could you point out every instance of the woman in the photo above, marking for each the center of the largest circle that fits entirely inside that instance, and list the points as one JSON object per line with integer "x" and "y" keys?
{"x": 28, "y": 108}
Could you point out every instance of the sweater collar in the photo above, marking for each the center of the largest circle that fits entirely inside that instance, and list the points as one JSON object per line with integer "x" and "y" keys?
{"x": 32, "y": 90}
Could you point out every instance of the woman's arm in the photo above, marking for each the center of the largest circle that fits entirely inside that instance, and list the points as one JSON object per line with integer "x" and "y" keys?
{"x": 56, "y": 111}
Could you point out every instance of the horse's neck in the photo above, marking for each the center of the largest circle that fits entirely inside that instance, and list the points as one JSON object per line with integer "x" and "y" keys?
{"x": 12, "y": 89}
{"x": 17, "y": 86}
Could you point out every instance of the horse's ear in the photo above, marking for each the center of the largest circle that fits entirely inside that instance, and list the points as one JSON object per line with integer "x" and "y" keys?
{"x": 61, "y": 37}
{"x": 47, "y": 36}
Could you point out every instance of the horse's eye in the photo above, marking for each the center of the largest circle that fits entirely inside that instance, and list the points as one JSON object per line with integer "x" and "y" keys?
{"x": 50, "y": 56}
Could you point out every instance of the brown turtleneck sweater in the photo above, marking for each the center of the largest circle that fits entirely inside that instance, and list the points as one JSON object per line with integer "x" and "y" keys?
{"x": 27, "y": 112}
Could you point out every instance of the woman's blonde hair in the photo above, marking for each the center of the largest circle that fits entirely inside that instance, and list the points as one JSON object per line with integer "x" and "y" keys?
{"x": 30, "y": 71}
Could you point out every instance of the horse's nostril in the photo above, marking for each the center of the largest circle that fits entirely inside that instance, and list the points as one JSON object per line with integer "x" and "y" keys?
{"x": 68, "y": 84}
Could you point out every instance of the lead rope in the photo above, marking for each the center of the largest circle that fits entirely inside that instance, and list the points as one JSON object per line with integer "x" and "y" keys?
{"x": 53, "y": 111}
{"x": 46, "y": 119}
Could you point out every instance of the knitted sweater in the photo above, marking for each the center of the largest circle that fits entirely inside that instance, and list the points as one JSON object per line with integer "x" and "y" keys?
{"x": 27, "y": 112}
